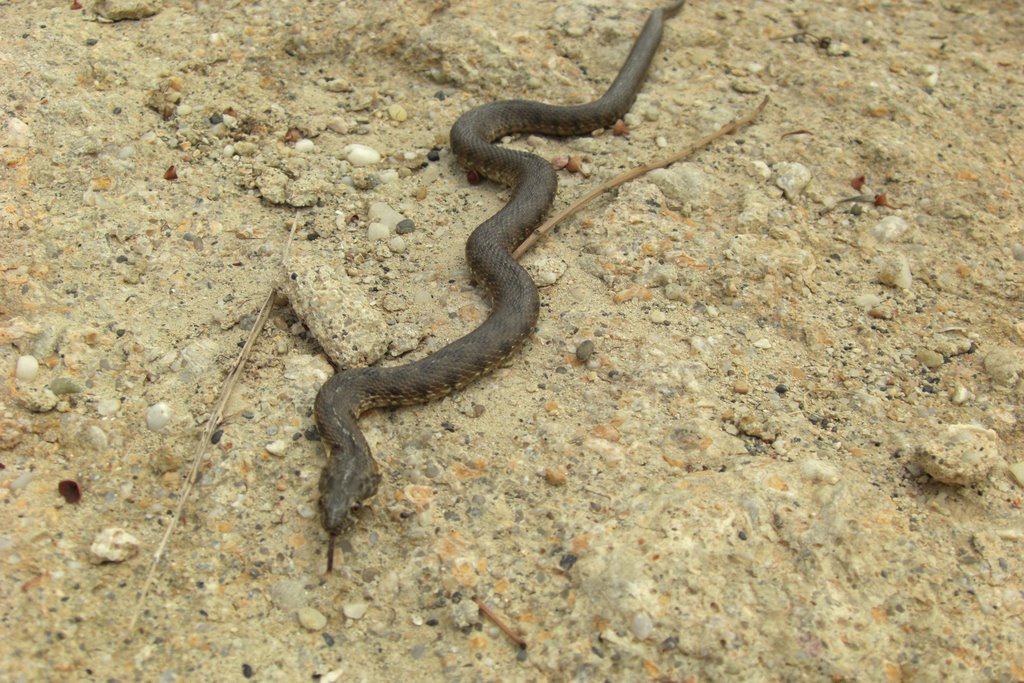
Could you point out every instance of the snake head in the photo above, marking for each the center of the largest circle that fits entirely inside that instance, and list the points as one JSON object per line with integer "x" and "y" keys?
{"x": 345, "y": 483}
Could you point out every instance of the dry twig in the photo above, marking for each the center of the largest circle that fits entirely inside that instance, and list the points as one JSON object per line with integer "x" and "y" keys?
{"x": 489, "y": 613}
{"x": 204, "y": 443}
{"x": 728, "y": 128}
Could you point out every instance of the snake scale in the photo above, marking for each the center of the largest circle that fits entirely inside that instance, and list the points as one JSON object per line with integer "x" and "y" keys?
{"x": 350, "y": 474}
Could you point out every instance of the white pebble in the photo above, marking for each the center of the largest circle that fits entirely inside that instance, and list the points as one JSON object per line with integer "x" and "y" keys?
{"x": 763, "y": 344}
{"x": 22, "y": 480}
{"x": 376, "y": 232}
{"x": 1017, "y": 472}
{"x": 762, "y": 169}
{"x": 819, "y": 471}
{"x": 108, "y": 406}
{"x": 113, "y": 545}
{"x": 791, "y": 178}
{"x": 277, "y": 447}
{"x": 961, "y": 395}
{"x": 380, "y": 212}
{"x": 388, "y": 175}
{"x": 397, "y": 244}
{"x": 26, "y": 368}
{"x": 894, "y": 271}
{"x": 657, "y": 317}
{"x": 889, "y": 228}
{"x": 304, "y": 145}
{"x": 361, "y": 155}
{"x": 158, "y": 416}
{"x": 16, "y": 133}
{"x": 355, "y": 610}
{"x": 641, "y": 626}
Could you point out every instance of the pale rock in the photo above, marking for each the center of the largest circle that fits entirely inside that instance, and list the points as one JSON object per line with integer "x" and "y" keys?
{"x": 113, "y": 545}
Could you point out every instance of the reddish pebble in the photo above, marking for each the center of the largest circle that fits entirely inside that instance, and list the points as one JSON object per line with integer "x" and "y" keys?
{"x": 70, "y": 490}
{"x": 857, "y": 182}
{"x": 473, "y": 178}
{"x": 76, "y": 5}
{"x": 171, "y": 173}
{"x": 574, "y": 165}
{"x": 620, "y": 128}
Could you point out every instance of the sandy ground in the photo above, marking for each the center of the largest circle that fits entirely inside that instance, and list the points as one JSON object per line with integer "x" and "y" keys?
{"x": 790, "y": 455}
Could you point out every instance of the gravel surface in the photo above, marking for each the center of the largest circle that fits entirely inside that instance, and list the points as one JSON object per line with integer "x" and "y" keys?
{"x": 769, "y": 427}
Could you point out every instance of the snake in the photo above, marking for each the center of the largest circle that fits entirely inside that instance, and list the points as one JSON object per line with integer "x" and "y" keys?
{"x": 350, "y": 475}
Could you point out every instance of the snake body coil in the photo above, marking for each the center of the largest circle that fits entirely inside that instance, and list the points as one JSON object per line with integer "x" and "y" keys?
{"x": 350, "y": 474}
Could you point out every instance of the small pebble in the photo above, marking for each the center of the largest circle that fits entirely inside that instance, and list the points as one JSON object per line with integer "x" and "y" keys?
{"x": 119, "y": 10}
{"x": 361, "y": 155}
{"x": 819, "y": 471}
{"x": 26, "y": 368}
{"x": 584, "y": 351}
{"x": 658, "y": 317}
{"x": 894, "y": 271}
{"x": 674, "y": 292}
{"x": 1017, "y": 472}
{"x": 889, "y": 228}
{"x": 376, "y": 232}
{"x": 397, "y": 113}
{"x": 108, "y": 406}
{"x": 64, "y": 385}
{"x": 158, "y": 416}
{"x": 355, "y": 610}
{"x": 1003, "y": 366}
{"x": 960, "y": 395}
{"x": 405, "y": 226}
{"x": 288, "y": 594}
{"x": 555, "y": 476}
{"x": 304, "y": 145}
{"x": 379, "y": 212}
{"x": 277, "y": 447}
{"x": 397, "y": 245}
{"x": 963, "y": 454}
{"x": 642, "y": 626}
{"x": 741, "y": 387}
{"x": 311, "y": 619}
{"x": 22, "y": 480}
{"x": 930, "y": 359}
{"x": 113, "y": 545}
{"x": 791, "y": 178}
{"x": 16, "y": 133}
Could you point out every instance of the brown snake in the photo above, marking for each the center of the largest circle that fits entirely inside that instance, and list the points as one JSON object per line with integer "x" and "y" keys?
{"x": 350, "y": 475}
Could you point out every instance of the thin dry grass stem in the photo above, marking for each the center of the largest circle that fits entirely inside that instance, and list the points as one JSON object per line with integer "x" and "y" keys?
{"x": 727, "y": 129}
{"x": 204, "y": 443}
{"x": 502, "y": 626}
